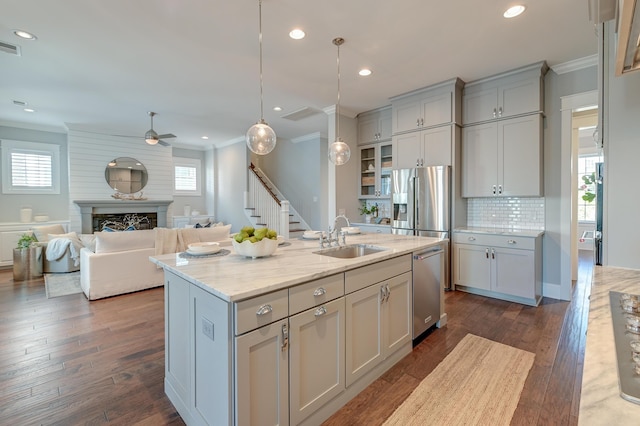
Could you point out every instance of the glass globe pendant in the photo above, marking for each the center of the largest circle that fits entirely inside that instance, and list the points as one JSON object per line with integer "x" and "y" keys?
{"x": 261, "y": 139}
{"x": 339, "y": 151}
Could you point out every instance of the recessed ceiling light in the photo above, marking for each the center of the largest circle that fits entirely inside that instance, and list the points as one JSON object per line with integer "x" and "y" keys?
{"x": 513, "y": 11}
{"x": 277, "y": 108}
{"x": 29, "y": 110}
{"x": 205, "y": 137}
{"x": 364, "y": 72}
{"x": 25, "y": 35}
{"x": 296, "y": 34}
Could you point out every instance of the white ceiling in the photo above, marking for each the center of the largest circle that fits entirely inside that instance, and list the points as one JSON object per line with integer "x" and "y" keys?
{"x": 101, "y": 65}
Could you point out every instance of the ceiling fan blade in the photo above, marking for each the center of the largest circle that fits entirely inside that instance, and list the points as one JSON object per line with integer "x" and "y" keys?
{"x": 167, "y": 136}
{"x": 163, "y": 143}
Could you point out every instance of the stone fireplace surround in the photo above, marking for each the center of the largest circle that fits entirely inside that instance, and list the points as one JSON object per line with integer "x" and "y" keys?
{"x": 90, "y": 207}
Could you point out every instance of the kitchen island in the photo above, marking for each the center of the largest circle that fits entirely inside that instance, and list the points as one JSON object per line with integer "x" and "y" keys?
{"x": 600, "y": 400}
{"x": 288, "y": 338}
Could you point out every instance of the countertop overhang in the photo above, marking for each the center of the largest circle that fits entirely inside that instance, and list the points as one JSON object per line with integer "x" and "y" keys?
{"x": 234, "y": 277}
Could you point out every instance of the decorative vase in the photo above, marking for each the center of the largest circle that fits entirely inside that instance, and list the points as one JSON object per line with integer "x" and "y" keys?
{"x": 367, "y": 218}
{"x": 27, "y": 263}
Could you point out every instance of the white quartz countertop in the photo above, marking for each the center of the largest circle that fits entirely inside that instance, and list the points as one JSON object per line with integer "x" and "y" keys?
{"x": 500, "y": 231}
{"x": 600, "y": 400}
{"x": 234, "y": 277}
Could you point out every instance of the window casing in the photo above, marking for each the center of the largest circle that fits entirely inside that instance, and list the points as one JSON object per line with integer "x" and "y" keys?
{"x": 30, "y": 168}
{"x": 187, "y": 176}
{"x": 587, "y": 167}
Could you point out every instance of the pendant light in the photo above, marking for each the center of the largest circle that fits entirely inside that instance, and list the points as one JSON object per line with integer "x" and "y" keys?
{"x": 261, "y": 139}
{"x": 339, "y": 151}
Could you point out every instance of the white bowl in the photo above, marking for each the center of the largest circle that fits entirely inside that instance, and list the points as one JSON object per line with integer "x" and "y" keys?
{"x": 351, "y": 229}
{"x": 311, "y": 235}
{"x": 203, "y": 248}
{"x": 264, "y": 247}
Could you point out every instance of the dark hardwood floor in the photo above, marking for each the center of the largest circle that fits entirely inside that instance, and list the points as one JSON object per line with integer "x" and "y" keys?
{"x": 67, "y": 361}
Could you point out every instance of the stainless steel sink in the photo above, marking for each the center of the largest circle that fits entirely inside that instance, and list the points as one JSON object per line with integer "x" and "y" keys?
{"x": 351, "y": 251}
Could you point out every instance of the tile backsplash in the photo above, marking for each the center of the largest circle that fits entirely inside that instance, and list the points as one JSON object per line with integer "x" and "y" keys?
{"x": 506, "y": 212}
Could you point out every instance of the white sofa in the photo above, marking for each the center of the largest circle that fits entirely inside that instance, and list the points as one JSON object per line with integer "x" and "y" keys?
{"x": 120, "y": 261}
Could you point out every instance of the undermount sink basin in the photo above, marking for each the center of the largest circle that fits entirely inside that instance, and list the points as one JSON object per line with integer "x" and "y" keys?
{"x": 350, "y": 251}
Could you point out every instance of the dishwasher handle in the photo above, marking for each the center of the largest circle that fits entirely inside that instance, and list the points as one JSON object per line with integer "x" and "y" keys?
{"x": 428, "y": 253}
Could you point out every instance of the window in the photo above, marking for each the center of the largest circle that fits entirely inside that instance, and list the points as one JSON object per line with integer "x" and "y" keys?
{"x": 587, "y": 187}
{"x": 186, "y": 173}
{"x": 30, "y": 168}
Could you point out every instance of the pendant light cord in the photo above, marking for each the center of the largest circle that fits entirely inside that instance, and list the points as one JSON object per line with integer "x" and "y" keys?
{"x": 338, "y": 42}
{"x": 260, "y": 41}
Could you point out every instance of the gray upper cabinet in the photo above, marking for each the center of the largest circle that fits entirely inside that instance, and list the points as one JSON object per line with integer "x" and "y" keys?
{"x": 511, "y": 94}
{"x": 430, "y": 107}
{"x": 374, "y": 126}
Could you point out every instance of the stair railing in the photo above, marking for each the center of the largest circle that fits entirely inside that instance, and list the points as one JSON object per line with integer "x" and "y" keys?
{"x": 273, "y": 212}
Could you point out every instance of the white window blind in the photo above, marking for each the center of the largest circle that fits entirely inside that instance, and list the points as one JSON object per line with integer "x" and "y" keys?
{"x": 31, "y": 170}
{"x": 30, "y": 167}
{"x": 186, "y": 178}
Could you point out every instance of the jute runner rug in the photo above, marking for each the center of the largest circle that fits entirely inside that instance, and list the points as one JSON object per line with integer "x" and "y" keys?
{"x": 62, "y": 284}
{"x": 478, "y": 383}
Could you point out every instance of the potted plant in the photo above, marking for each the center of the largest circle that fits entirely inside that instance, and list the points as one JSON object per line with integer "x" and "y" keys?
{"x": 27, "y": 258}
{"x": 368, "y": 211}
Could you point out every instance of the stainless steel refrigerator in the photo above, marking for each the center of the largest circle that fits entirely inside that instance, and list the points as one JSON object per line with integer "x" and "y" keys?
{"x": 421, "y": 201}
{"x": 421, "y": 206}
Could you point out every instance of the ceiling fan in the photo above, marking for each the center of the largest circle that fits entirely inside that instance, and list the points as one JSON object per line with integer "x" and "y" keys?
{"x": 152, "y": 138}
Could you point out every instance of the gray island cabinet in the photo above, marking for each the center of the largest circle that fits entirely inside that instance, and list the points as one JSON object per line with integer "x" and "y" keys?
{"x": 286, "y": 339}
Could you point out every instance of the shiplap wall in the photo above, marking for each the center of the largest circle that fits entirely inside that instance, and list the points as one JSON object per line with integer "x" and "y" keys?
{"x": 88, "y": 156}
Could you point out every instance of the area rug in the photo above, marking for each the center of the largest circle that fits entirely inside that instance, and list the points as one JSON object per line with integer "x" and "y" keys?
{"x": 478, "y": 383}
{"x": 62, "y": 284}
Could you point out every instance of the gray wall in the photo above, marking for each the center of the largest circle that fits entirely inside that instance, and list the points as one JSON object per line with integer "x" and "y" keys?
{"x": 55, "y": 206}
{"x": 196, "y": 203}
{"x": 556, "y": 86}
{"x": 622, "y": 151}
{"x": 294, "y": 168}
{"x": 230, "y": 183}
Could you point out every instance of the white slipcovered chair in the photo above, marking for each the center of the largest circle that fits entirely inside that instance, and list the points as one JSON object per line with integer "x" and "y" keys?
{"x": 61, "y": 249}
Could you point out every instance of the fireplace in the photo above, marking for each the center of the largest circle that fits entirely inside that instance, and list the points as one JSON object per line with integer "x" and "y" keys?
{"x": 123, "y": 221}
{"x": 142, "y": 214}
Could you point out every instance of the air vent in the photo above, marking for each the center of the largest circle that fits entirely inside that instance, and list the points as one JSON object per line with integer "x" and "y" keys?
{"x": 20, "y": 103}
{"x": 301, "y": 114}
{"x": 9, "y": 48}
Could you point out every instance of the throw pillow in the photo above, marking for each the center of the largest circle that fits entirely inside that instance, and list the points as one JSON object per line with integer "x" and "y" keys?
{"x": 42, "y": 232}
{"x": 197, "y": 225}
{"x": 71, "y": 236}
{"x": 107, "y": 229}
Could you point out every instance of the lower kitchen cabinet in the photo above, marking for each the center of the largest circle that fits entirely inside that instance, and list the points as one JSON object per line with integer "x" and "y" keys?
{"x": 316, "y": 358}
{"x": 501, "y": 266}
{"x": 378, "y": 323}
{"x": 262, "y": 376}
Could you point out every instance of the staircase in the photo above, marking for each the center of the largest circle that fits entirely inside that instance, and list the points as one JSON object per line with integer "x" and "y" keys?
{"x": 266, "y": 206}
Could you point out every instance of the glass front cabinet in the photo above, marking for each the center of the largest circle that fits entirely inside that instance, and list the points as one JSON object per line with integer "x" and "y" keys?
{"x": 376, "y": 162}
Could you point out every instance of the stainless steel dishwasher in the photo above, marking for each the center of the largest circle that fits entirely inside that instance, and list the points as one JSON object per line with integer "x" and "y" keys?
{"x": 428, "y": 267}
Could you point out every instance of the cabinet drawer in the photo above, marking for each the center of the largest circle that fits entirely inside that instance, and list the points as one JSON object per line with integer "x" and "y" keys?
{"x": 493, "y": 240}
{"x": 316, "y": 292}
{"x": 362, "y": 277}
{"x": 262, "y": 310}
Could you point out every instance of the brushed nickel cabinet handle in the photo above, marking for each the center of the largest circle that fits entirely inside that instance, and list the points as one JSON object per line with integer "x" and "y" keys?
{"x": 264, "y": 310}
{"x": 320, "y": 311}
{"x": 319, "y": 291}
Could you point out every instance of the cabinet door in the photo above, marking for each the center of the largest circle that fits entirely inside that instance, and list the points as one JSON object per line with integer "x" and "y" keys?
{"x": 369, "y": 159}
{"x": 472, "y": 266}
{"x": 262, "y": 376}
{"x": 317, "y": 356}
{"x": 519, "y": 97}
{"x": 385, "y": 126}
{"x": 397, "y": 313}
{"x": 367, "y": 129}
{"x": 514, "y": 272}
{"x": 479, "y": 160}
{"x": 436, "y": 110}
{"x": 479, "y": 105}
{"x": 407, "y": 150}
{"x": 406, "y": 115}
{"x": 436, "y": 146}
{"x": 177, "y": 332}
{"x": 520, "y": 156}
{"x": 363, "y": 332}
{"x": 384, "y": 170}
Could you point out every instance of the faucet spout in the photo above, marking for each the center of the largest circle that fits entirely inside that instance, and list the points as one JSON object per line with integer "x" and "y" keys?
{"x": 335, "y": 222}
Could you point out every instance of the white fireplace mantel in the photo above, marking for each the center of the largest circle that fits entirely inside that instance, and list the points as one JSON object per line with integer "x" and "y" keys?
{"x": 90, "y": 207}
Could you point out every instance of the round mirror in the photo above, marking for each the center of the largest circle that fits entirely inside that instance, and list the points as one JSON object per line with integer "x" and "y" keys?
{"x": 126, "y": 175}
